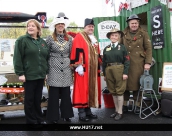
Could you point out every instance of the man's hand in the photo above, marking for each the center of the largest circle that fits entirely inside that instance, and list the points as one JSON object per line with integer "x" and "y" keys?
{"x": 147, "y": 66}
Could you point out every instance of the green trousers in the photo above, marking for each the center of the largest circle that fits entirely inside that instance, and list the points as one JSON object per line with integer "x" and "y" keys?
{"x": 114, "y": 79}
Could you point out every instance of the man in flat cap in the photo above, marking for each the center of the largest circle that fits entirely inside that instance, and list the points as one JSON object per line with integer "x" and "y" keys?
{"x": 139, "y": 47}
{"x": 85, "y": 57}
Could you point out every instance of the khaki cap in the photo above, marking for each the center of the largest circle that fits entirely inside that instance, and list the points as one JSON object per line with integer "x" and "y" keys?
{"x": 115, "y": 30}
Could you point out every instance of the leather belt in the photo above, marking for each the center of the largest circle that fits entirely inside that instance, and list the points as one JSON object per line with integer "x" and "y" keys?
{"x": 116, "y": 63}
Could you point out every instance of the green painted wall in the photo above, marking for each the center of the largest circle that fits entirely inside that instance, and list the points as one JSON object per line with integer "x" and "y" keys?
{"x": 160, "y": 55}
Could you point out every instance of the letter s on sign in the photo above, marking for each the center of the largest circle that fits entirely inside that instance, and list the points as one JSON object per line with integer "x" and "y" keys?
{"x": 156, "y": 21}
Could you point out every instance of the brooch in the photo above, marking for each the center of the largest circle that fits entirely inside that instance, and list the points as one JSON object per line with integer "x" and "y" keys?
{"x": 61, "y": 45}
{"x": 108, "y": 49}
{"x": 119, "y": 47}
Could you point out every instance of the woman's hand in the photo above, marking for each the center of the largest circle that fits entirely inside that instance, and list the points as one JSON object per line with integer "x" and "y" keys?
{"x": 75, "y": 65}
{"x": 45, "y": 78}
{"x": 125, "y": 77}
{"x": 104, "y": 78}
{"x": 22, "y": 78}
{"x": 71, "y": 67}
{"x": 147, "y": 66}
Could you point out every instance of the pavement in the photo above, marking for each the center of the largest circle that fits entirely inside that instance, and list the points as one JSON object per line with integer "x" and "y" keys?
{"x": 130, "y": 125}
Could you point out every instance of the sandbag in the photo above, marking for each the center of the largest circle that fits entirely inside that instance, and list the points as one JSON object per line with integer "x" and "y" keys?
{"x": 166, "y": 104}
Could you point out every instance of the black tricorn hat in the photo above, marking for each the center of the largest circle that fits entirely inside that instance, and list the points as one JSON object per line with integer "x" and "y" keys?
{"x": 88, "y": 22}
{"x": 134, "y": 16}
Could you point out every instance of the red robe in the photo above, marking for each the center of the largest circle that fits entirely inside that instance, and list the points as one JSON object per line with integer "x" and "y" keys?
{"x": 87, "y": 88}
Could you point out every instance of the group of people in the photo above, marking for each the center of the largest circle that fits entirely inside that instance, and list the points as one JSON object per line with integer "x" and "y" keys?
{"x": 124, "y": 61}
{"x": 60, "y": 59}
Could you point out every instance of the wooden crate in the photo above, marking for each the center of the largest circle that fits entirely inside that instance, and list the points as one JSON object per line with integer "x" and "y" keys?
{"x": 12, "y": 78}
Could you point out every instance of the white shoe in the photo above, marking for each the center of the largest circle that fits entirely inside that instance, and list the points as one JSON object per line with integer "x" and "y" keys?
{"x": 9, "y": 103}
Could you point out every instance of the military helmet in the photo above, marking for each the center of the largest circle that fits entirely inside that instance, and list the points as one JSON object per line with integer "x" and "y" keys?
{"x": 134, "y": 16}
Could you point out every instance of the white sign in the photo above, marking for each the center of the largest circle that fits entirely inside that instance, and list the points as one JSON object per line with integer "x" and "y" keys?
{"x": 103, "y": 28}
{"x": 167, "y": 77}
{"x": 137, "y": 3}
{"x": 6, "y": 63}
{"x": 3, "y": 79}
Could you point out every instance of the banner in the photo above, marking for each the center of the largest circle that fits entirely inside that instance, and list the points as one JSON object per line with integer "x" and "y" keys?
{"x": 137, "y": 3}
{"x": 107, "y": 1}
{"x": 157, "y": 27}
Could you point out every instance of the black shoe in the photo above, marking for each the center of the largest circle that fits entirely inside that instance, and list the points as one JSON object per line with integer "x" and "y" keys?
{"x": 125, "y": 109}
{"x": 43, "y": 123}
{"x": 67, "y": 119}
{"x": 92, "y": 116}
{"x": 118, "y": 117}
{"x": 113, "y": 115}
{"x": 84, "y": 119}
{"x": 53, "y": 122}
{"x": 137, "y": 110}
{"x": 35, "y": 125}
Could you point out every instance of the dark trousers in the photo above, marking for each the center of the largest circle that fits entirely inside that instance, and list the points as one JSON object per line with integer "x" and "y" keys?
{"x": 32, "y": 101}
{"x": 82, "y": 112}
{"x": 53, "y": 103}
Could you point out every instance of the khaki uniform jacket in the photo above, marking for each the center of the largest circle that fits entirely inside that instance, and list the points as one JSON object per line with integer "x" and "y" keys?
{"x": 140, "y": 51}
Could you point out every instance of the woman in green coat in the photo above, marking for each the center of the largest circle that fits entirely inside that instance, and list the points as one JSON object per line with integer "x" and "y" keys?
{"x": 115, "y": 70}
{"x": 31, "y": 65}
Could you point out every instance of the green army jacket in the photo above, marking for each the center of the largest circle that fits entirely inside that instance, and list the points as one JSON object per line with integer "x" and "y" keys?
{"x": 116, "y": 55}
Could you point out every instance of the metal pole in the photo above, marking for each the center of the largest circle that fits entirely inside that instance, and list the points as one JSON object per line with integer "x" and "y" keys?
{"x": 113, "y": 4}
{"x": 114, "y": 8}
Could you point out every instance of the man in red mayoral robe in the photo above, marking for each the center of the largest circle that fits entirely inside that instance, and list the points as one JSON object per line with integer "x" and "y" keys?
{"x": 85, "y": 57}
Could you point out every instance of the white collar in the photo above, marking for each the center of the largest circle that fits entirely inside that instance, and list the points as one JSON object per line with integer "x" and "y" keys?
{"x": 115, "y": 44}
{"x": 93, "y": 39}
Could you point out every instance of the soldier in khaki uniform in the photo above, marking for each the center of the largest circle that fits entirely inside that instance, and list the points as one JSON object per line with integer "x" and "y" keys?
{"x": 115, "y": 70}
{"x": 139, "y": 48}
